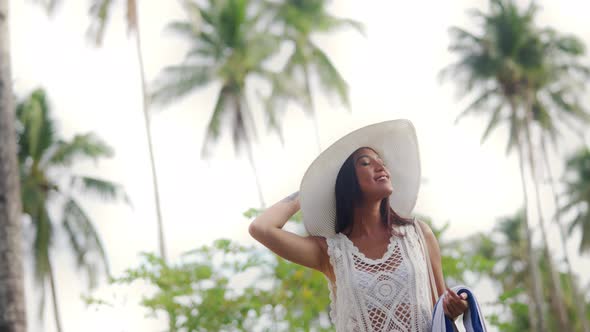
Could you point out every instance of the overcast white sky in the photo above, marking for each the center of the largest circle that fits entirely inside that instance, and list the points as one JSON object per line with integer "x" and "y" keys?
{"x": 392, "y": 74}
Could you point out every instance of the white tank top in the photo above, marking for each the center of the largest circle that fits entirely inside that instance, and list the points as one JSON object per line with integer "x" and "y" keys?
{"x": 387, "y": 294}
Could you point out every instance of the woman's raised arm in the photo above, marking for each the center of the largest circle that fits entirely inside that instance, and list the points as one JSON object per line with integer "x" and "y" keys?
{"x": 310, "y": 251}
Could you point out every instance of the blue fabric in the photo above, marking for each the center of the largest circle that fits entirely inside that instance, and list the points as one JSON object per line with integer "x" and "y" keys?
{"x": 473, "y": 319}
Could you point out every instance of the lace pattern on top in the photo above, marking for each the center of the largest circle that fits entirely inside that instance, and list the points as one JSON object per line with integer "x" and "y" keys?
{"x": 386, "y": 294}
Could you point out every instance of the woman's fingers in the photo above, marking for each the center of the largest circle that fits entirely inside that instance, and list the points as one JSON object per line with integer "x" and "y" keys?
{"x": 454, "y": 304}
{"x": 449, "y": 307}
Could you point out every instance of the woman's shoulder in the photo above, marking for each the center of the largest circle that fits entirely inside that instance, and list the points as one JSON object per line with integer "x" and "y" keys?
{"x": 425, "y": 229}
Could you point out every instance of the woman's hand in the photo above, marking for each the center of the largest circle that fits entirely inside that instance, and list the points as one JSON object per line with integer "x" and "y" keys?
{"x": 453, "y": 304}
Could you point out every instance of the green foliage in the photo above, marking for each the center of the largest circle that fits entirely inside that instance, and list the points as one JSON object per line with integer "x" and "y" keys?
{"x": 229, "y": 287}
{"x": 296, "y": 23}
{"x": 45, "y": 160}
{"x": 452, "y": 254}
{"x": 577, "y": 183}
{"x": 227, "y": 46}
{"x": 512, "y": 64}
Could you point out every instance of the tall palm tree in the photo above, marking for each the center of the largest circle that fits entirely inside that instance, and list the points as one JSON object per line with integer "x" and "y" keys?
{"x": 553, "y": 102}
{"x": 100, "y": 13}
{"x": 229, "y": 48}
{"x": 552, "y": 98}
{"x": 546, "y": 77}
{"x": 298, "y": 21}
{"x": 12, "y": 300}
{"x": 493, "y": 65}
{"x": 47, "y": 183}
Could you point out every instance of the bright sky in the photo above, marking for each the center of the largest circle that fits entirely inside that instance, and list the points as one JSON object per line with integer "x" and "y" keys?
{"x": 392, "y": 74}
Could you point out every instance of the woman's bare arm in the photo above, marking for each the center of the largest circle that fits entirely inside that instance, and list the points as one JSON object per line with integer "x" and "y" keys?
{"x": 267, "y": 229}
{"x": 435, "y": 258}
{"x": 454, "y": 305}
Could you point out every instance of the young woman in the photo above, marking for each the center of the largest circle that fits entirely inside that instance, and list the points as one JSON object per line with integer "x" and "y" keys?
{"x": 356, "y": 199}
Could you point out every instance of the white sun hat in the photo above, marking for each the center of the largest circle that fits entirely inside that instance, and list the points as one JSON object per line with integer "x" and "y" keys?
{"x": 396, "y": 143}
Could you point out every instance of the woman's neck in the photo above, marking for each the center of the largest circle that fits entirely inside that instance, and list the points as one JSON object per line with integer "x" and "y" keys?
{"x": 367, "y": 220}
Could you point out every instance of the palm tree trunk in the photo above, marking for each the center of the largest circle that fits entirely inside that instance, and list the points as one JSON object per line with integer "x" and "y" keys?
{"x": 146, "y": 114}
{"x": 579, "y": 302}
{"x": 537, "y": 317}
{"x": 12, "y": 296}
{"x": 314, "y": 115}
{"x": 557, "y": 300}
{"x": 58, "y": 325}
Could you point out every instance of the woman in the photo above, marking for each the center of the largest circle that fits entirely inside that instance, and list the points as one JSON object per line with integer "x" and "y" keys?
{"x": 356, "y": 199}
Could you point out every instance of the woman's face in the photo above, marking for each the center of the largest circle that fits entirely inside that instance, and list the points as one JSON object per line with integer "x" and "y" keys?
{"x": 373, "y": 177}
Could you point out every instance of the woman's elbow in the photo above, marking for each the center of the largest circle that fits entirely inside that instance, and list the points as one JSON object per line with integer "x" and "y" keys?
{"x": 255, "y": 230}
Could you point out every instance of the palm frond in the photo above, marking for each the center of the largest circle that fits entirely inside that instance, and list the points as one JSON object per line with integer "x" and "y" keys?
{"x": 179, "y": 81}
{"x": 185, "y": 29}
{"x": 577, "y": 184}
{"x": 272, "y": 113}
{"x": 41, "y": 249}
{"x": 213, "y": 130}
{"x": 493, "y": 123}
{"x": 105, "y": 190}
{"x": 32, "y": 197}
{"x": 329, "y": 77}
{"x": 330, "y": 23}
{"x": 35, "y": 127}
{"x": 479, "y": 104}
{"x": 514, "y": 132}
{"x": 284, "y": 90}
{"x": 86, "y": 146}
{"x": 99, "y": 12}
{"x": 240, "y": 128}
{"x": 585, "y": 230}
{"x": 84, "y": 239}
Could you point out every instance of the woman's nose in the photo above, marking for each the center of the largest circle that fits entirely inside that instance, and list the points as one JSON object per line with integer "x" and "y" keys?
{"x": 379, "y": 166}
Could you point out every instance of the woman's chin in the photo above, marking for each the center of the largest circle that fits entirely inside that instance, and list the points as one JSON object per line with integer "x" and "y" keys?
{"x": 389, "y": 191}
{"x": 385, "y": 193}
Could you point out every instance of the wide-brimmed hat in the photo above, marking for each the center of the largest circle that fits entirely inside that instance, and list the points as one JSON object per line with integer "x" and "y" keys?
{"x": 396, "y": 143}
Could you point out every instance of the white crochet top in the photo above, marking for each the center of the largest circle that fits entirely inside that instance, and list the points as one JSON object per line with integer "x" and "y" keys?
{"x": 387, "y": 294}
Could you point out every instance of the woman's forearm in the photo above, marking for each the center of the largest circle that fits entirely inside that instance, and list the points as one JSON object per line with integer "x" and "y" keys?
{"x": 277, "y": 215}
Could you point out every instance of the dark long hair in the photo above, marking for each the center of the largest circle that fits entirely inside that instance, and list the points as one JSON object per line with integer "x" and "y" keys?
{"x": 349, "y": 195}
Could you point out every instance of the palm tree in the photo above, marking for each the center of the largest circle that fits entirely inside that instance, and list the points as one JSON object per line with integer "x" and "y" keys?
{"x": 47, "y": 183}
{"x": 100, "y": 12}
{"x": 298, "y": 21}
{"x": 494, "y": 64}
{"x": 228, "y": 47}
{"x": 551, "y": 99}
{"x": 12, "y": 300}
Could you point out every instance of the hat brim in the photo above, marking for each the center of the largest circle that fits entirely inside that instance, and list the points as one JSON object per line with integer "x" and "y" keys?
{"x": 396, "y": 143}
